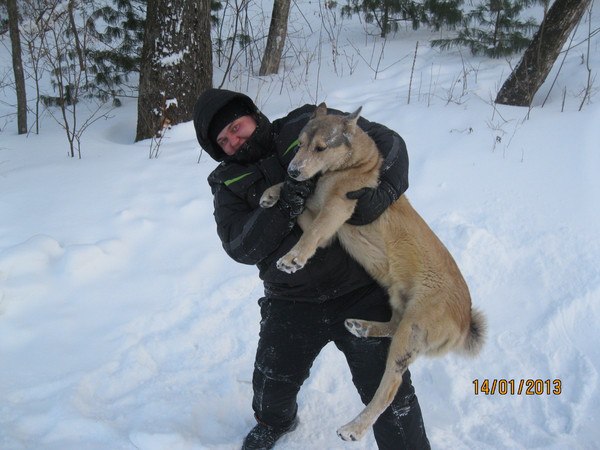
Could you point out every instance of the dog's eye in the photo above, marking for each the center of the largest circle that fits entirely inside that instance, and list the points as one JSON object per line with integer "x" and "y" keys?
{"x": 319, "y": 149}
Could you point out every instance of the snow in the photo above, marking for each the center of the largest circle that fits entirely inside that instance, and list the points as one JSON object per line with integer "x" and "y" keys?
{"x": 124, "y": 325}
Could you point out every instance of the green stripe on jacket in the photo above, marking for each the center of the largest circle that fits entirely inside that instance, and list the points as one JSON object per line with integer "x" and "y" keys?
{"x": 234, "y": 180}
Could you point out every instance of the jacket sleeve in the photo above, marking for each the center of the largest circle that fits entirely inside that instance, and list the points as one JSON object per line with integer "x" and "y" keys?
{"x": 394, "y": 170}
{"x": 248, "y": 235}
{"x": 393, "y": 176}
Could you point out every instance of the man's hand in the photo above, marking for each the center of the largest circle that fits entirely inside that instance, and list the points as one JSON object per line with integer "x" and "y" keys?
{"x": 371, "y": 203}
{"x": 294, "y": 194}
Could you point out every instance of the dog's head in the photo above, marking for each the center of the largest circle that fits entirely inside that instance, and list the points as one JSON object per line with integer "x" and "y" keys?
{"x": 325, "y": 143}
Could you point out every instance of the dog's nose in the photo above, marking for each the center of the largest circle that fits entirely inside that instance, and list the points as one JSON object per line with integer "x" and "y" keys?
{"x": 293, "y": 172}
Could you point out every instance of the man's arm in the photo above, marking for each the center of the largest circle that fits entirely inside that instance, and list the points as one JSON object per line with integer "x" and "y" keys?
{"x": 249, "y": 235}
{"x": 393, "y": 178}
{"x": 243, "y": 231}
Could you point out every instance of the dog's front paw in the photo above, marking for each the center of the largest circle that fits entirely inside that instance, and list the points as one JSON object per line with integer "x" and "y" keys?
{"x": 350, "y": 433}
{"x": 269, "y": 198}
{"x": 291, "y": 262}
{"x": 357, "y": 327}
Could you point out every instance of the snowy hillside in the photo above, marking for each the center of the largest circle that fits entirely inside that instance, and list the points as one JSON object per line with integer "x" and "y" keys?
{"x": 124, "y": 325}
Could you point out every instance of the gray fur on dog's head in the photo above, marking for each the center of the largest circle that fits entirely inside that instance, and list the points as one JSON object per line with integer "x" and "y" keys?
{"x": 340, "y": 128}
{"x": 325, "y": 142}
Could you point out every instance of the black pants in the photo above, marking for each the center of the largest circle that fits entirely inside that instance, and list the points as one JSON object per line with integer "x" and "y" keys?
{"x": 291, "y": 336}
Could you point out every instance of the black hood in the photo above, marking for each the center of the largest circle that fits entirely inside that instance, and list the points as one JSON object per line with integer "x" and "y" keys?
{"x": 207, "y": 105}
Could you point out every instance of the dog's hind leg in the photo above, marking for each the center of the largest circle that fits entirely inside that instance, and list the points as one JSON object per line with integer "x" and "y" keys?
{"x": 367, "y": 328}
{"x": 407, "y": 344}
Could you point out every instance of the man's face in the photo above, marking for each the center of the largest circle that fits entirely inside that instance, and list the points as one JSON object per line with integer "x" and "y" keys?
{"x": 233, "y": 136}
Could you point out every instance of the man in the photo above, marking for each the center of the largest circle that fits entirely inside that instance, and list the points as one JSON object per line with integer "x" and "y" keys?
{"x": 303, "y": 311}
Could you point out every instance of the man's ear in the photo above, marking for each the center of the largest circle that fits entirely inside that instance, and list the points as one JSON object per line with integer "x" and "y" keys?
{"x": 320, "y": 111}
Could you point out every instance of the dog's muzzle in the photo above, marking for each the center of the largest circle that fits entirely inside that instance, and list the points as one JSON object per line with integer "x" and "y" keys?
{"x": 293, "y": 172}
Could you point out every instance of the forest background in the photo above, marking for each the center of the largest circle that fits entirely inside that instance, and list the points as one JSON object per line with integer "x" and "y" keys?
{"x": 123, "y": 324}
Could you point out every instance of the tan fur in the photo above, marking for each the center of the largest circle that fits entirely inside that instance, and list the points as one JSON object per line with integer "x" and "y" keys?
{"x": 430, "y": 300}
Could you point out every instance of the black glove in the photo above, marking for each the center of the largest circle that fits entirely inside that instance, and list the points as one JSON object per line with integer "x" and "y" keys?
{"x": 294, "y": 194}
{"x": 371, "y": 203}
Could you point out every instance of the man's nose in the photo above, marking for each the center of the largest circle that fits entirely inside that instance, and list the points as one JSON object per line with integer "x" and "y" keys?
{"x": 235, "y": 141}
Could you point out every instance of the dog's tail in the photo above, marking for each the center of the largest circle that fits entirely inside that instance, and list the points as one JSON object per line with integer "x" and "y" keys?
{"x": 477, "y": 333}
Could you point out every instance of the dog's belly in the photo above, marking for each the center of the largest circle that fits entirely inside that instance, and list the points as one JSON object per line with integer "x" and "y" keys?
{"x": 368, "y": 247}
{"x": 398, "y": 249}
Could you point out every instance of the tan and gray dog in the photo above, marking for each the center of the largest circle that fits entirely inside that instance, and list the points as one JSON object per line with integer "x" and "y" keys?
{"x": 430, "y": 300}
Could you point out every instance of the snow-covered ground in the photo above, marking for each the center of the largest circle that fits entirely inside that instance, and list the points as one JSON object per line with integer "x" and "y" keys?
{"x": 124, "y": 325}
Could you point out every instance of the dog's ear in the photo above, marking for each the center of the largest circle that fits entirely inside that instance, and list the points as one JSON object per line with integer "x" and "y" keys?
{"x": 351, "y": 120}
{"x": 321, "y": 110}
{"x": 355, "y": 115}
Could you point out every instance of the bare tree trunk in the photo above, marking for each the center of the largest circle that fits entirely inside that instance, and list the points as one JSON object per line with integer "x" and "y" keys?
{"x": 17, "y": 60}
{"x": 538, "y": 59}
{"x": 276, "y": 40}
{"x": 78, "y": 49}
{"x": 176, "y": 63}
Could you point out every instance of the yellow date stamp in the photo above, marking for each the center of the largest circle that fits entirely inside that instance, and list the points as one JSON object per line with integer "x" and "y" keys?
{"x": 530, "y": 386}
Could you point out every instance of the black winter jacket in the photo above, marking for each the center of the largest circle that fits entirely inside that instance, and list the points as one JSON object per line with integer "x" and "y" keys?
{"x": 253, "y": 235}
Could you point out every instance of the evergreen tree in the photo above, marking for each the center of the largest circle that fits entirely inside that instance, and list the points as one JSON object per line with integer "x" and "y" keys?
{"x": 388, "y": 13}
{"x": 118, "y": 27}
{"x": 3, "y": 17}
{"x": 442, "y": 13}
{"x": 494, "y": 28}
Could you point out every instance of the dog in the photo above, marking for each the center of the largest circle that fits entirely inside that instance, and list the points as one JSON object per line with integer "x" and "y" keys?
{"x": 430, "y": 300}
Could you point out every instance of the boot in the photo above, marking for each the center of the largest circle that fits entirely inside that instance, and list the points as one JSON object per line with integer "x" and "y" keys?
{"x": 263, "y": 436}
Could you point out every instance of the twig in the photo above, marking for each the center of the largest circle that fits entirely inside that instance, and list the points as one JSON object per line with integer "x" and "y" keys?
{"x": 589, "y": 70}
{"x": 412, "y": 71}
